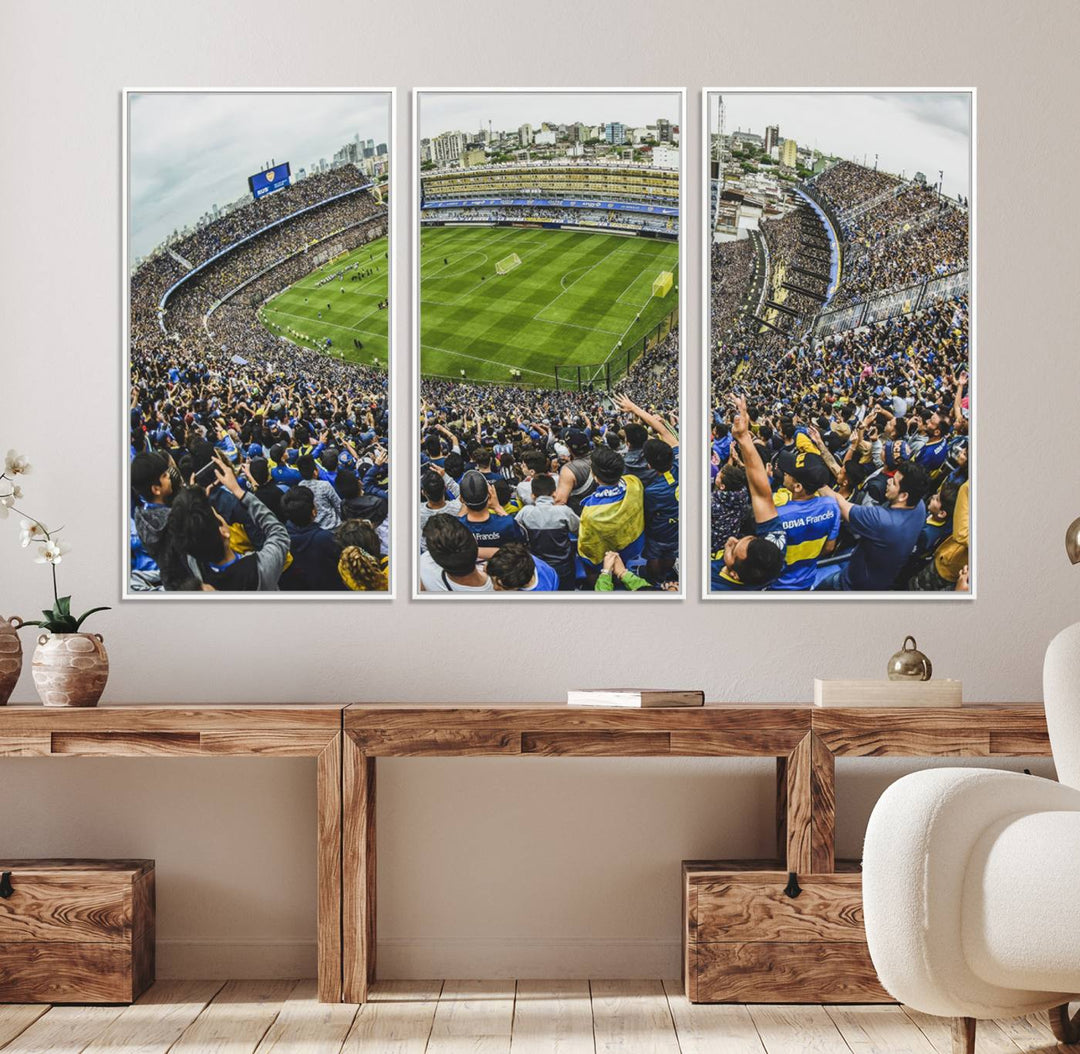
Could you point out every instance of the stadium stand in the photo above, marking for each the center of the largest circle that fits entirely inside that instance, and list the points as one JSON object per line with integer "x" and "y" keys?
{"x": 621, "y": 197}
{"x": 866, "y": 380}
{"x": 209, "y": 380}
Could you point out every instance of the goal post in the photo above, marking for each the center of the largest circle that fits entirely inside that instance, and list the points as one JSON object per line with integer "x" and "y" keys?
{"x": 662, "y": 284}
{"x": 508, "y": 263}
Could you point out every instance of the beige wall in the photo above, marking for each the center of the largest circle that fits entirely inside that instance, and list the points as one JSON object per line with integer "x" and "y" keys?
{"x": 491, "y": 866}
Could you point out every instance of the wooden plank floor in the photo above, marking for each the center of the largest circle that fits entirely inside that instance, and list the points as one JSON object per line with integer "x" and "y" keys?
{"x": 500, "y": 1017}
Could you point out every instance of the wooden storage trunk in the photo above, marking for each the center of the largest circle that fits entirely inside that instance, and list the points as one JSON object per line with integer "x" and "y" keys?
{"x": 76, "y": 931}
{"x": 745, "y": 940}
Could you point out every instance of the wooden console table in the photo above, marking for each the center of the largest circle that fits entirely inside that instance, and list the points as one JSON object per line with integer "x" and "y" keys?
{"x": 347, "y": 740}
{"x": 805, "y": 740}
{"x": 207, "y": 730}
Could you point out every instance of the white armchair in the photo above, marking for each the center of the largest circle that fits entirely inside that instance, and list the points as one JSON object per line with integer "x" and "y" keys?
{"x": 971, "y": 880}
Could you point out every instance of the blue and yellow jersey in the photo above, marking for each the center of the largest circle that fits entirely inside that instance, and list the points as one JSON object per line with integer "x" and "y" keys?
{"x": 662, "y": 504}
{"x": 612, "y": 517}
{"x": 808, "y": 526}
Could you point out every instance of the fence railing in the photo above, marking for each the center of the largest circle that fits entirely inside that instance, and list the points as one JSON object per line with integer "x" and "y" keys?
{"x": 889, "y": 305}
{"x": 606, "y": 374}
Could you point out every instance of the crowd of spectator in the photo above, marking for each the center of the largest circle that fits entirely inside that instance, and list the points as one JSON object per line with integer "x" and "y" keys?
{"x": 896, "y": 233}
{"x": 732, "y": 271}
{"x": 257, "y": 463}
{"x": 842, "y": 462}
{"x": 624, "y": 218}
{"x": 546, "y": 490}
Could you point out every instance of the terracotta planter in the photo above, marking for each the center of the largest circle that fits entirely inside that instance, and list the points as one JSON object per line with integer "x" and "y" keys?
{"x": 70, "y": 669}
{"x": 10, "y": 656}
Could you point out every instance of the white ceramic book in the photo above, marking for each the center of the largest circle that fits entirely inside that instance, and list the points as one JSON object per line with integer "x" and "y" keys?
{"x": 634, "y": 697}
{"x": 888, "y": 693}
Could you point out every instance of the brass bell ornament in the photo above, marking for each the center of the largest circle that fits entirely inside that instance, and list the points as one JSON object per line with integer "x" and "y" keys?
{"x": 909, "y": 664}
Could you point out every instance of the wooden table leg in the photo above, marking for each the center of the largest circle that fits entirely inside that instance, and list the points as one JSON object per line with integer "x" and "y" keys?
{"x": 823, "y": 814}
{"x": 358, "y": 887}
{"x": 806, "y": 807}
{"x": 329, "y": 867}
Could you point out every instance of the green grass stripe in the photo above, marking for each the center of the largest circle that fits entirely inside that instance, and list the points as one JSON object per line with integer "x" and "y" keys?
{"x": 572, "y": 299}
{"x": 353, "y": 314}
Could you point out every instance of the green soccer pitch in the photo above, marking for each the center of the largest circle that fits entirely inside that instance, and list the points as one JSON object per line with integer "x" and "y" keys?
{"x": 354, "y": 313}
{"x": 570, "y": 301}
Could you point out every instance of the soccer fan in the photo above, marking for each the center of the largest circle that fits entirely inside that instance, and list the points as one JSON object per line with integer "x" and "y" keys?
{"x": 152, "y": 480}
{"x": 315, "y": 553}
{"x": 433, "y": 490}
{"x": 484, "y": 515}
{"x": 886, "y": 534}
{"x": 200, "y": 535}
{"x": 551, "y": 529}
{"x": 449, "y": 563}
{"x": 513, "y": 567}
{"x": 534, "y": 463}
{"x": 951, "y": 557}
{"x": 730, "y": 503}
{"x": 810, "y": 521}
{"x": 661, "y": 498}
{"x": 613, "y": 515}
{"x": 257, "y": 472}
{"x": 634, "y": 455}
{"x": 361, "y": 566}
{"x": 327, "y": 502}
{"x": 576, "y": 479}
{"x": 754, "y": 560}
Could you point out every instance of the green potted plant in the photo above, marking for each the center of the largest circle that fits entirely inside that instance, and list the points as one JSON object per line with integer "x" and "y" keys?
{"x": 70, "y": 667}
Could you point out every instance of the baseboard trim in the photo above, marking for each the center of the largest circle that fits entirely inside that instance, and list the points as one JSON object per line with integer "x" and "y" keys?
{"x": 222, "y": 958}
{"x": 416, "y": 958}
{"x": 419, "y": 958}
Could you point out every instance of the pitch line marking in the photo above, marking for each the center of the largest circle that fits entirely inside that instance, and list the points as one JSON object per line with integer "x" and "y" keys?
{"x": 480, "y": 358}
{"x": 323, "y": 322}
{"x": 627, "y": 288}
{"x": 588, "y": 329}
{"x": 574, "y": 283}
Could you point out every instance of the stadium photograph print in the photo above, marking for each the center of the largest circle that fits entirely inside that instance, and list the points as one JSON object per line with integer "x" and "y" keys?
{"x": 258, "y": 339}
{"x": 839, "y": 367}
{"x": 546, "y": 308}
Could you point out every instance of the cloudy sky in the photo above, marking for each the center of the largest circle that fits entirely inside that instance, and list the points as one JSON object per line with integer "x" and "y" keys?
{"x": 909, "y": 131}
{"x": 190, "y": 150}
{"x": 468, "y": 111}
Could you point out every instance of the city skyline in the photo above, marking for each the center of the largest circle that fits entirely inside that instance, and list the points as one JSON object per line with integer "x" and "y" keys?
{"x": 909, "y": 131}
{"x": 467, "y": 112}
{"x": 189, "y": 151}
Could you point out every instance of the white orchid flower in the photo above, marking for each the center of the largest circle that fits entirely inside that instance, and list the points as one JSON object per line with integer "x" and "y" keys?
{"x": 16, "y": 464}
{"x": 31, "y": 531}
{"x": 52, "y": 552}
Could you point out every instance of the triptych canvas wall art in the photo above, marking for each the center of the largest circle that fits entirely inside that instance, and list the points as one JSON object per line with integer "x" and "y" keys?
{"x": 546, "y": 375}
{"x": 259, "y": 343}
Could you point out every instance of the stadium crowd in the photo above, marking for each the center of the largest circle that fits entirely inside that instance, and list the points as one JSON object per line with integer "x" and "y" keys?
{"x": 550, "y": 214}
{"x": 257, "y": 464}
{"x": 842, "y": 462}
{"x": 545, "y": 490}
{"x": 896, "y": 233}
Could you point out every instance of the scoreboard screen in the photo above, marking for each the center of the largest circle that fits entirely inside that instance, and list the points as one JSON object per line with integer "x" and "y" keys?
{"x": 269, "y": 180}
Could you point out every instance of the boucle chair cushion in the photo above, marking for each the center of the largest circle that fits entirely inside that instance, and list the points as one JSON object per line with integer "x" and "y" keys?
{"x": 1021, "y": 916}
{"x": 919, "y": 845}
{"x": 1061, "y": 690}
